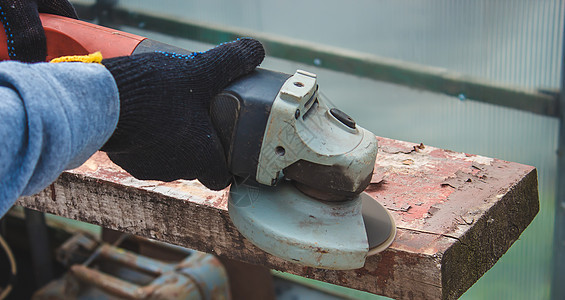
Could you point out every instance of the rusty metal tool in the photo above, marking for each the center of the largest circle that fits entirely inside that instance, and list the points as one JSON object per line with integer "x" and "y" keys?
{"x": 300, "y": 166}
{"x": 152, "y": 270}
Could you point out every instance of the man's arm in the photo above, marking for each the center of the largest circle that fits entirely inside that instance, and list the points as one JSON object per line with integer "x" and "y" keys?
{"x": 52, "y": 117}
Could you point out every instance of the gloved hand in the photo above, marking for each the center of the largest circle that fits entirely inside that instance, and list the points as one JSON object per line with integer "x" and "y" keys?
{"x": 164, "y": 131}
{"x": 26, "y": 38}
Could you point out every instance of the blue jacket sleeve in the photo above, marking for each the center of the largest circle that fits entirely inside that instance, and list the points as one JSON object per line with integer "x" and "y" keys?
{"x": 52, "y": 118}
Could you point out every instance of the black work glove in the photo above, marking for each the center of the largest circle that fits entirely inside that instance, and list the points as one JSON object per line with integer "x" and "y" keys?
{"x": 165, "y": 131}
{"x": 26, "y": 38}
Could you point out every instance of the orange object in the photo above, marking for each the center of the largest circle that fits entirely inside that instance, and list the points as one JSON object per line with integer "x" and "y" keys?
{"x": 67, "y": 36}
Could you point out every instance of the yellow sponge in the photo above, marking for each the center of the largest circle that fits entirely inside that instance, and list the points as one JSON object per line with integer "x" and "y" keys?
{"x": 95, "y": 57}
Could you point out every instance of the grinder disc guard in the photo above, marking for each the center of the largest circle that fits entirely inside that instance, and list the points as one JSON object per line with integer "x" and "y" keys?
{"x": 286, "y": 223}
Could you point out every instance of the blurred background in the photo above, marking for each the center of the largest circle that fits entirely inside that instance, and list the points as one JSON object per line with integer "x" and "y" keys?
{"x": 477, "y": 76}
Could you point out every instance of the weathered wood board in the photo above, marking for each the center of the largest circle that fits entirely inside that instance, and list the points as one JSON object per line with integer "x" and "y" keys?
{"x": 456, "y": 214}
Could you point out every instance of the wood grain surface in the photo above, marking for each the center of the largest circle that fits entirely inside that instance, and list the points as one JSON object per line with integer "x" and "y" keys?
{"x": 456, "y": 215}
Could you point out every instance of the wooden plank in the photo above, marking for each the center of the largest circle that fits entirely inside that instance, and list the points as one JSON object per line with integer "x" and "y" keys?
{"x": 456, "y": 214}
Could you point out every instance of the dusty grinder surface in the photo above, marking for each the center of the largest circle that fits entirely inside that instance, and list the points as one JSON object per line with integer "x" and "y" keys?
{"x": 286, "y": 223}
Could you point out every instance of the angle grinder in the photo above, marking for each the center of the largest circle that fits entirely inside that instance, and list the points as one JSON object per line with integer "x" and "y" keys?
{"x": 300, "y": 167}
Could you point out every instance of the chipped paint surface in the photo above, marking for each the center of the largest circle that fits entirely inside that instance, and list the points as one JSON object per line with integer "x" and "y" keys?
{"x": 417, "y": 184}
{"x": 413, "y": 181}
{"x": 99, "y": 166}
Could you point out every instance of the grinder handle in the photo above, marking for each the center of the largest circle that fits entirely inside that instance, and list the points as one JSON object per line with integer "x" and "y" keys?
{"x": 66, "y": 36}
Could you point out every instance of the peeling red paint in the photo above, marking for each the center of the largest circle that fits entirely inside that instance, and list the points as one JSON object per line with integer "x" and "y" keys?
{"x": 101, "y": 167}
{"x": 418, "y": 192}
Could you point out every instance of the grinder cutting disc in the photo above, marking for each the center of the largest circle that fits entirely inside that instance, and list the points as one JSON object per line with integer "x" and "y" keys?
{"x": 379, "y": 224}
{"x": 283, "y": 221}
